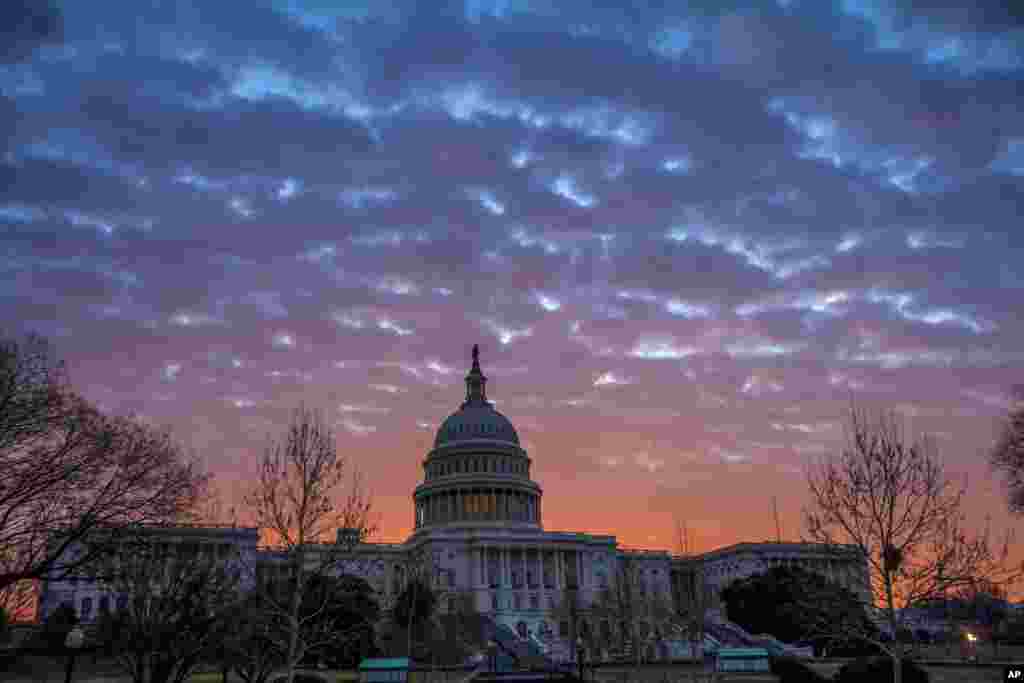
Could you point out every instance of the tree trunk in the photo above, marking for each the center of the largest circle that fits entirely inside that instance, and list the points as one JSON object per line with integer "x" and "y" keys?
{"x": 408, "y": 630}
{"x": 293, "y": 620}
{"x": 890, "y": 609}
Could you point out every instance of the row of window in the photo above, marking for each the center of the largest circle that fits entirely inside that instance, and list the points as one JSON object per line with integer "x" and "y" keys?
{"x": 493, "y": 505}
{"x": 516, "y": 602}
{"x": 732, "y": 567}
{"x": 85, "y": 606}
{"x": 476, "y": 464}
{"x": 643, "y": 629}
{"x": 475, "y": 429}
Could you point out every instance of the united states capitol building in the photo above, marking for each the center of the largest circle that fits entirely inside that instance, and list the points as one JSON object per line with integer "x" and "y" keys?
{"x": 479, "y": 528}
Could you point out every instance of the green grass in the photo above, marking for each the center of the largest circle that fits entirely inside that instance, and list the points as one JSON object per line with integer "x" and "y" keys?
{"x": 215, "y": 677}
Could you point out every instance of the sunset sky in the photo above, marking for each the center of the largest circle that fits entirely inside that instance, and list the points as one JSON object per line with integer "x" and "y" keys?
{"x": 684, "y": 239}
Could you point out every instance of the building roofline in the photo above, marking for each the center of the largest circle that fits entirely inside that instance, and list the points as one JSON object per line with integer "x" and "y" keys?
{"x": 748, "y": 546}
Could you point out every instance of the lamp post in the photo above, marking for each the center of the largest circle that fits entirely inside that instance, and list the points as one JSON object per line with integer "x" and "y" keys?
{"x": 74, "y": 640}
{"x": 492, "y": 654}
{"x": 579, "y": 654}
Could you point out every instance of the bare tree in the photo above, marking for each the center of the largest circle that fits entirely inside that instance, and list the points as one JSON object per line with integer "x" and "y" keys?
{"x": 178, "y": 595}
{"x": 572, "y": 610}
{"x": 300, "y": 500}
{"x": 623, "y": 604}
{"x": 466, "y": 622}
{"x": 250, "y": 640}
{"x": 693, "y": 595}
{"x": 1007, "y": 456}
{"x": 422, "y": 587}
{"x": 69, "y": 470}
{"x": 889, "y": 496}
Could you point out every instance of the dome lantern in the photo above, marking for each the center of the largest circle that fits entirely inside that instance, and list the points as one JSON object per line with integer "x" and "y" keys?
{"x": 476, "y": 381}
{"x": 476, "y": 418}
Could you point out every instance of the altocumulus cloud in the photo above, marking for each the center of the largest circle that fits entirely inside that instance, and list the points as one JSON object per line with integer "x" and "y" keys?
{"x": 742, "y": 213}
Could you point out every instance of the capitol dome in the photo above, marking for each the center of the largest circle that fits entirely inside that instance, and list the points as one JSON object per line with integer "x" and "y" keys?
{"x": 477, "y": 418}
{"x": 476, "y": 421}
{"x": 477, "y": 473}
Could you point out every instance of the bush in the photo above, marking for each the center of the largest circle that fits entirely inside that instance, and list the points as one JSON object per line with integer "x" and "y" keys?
{"x": 56, "y": 628}
{"x": 849, "y": 647}
{"x": 879, "y": 670}
{"x": 790, "y": 670}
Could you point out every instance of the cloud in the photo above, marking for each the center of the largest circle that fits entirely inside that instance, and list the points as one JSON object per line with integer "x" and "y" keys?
{"x": 656, "y": 221}
{"x": 26, "y": 26}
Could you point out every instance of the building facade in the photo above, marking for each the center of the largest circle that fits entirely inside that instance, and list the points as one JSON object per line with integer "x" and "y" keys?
{"x": 479, "y": 537}
{"x": 89, "y": 591}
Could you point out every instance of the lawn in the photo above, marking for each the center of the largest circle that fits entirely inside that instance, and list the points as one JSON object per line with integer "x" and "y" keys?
{"x": 215, "y": 677}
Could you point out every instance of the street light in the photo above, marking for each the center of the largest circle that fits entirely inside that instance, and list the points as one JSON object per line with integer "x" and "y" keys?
{"x": 579, "y": 654}
{"x": 492, "y": 652}
{"x": 74, "y": 640}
